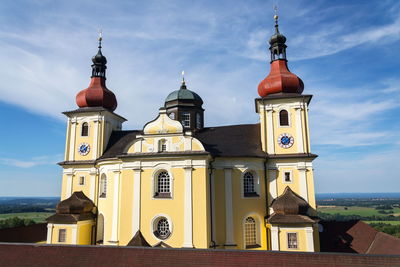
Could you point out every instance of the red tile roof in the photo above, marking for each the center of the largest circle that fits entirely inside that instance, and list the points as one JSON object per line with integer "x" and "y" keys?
{"x": 356, "y": 237}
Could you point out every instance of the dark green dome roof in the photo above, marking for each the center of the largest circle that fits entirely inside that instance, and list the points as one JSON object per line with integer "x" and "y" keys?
{"x": 183, "y": 94}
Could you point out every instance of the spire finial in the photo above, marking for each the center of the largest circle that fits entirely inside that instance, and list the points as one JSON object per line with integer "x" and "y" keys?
{"x": 276, "y": 18}
{"x": 100, "y": 37}
{"x": 183, "y": 86}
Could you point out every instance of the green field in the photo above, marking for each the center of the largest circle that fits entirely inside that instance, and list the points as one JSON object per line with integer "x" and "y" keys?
{"x": 387, "y": 222}
{"x": 361, "y": 211}
{"x": 38, "y": 217}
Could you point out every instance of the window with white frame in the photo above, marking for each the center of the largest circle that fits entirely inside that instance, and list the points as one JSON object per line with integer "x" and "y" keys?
{"x": 162, "y": 228}
{"x": 292, "y": 240}
{"x": 186, "y": 119}
{"x": 287, "y": 177}
{"x": 62, "y": 235}
{"x": 163, "y": 185}
{"x": 250, "y": 233}
{"x": 85, "y": 129}
{"x": 283, "y": 118}
{"x": 103, "y": 186}
{"x": 81, "y": 180}
{"x": 249, "y": 185}
{"x": 162, "y": 145}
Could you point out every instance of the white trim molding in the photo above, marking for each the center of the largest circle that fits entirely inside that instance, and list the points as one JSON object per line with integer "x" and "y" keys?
{"x": 50, "y": 227}
{"x": 274, "y": 237}
{"x": 74, "y": 233}
{"x": 136, "y": 200}
{"x": 188, "y": 209}
{"x": 68, "y": 192}
{"x": 299, "y": 131}
{"x": 303, "y": 183}
{"x": 270, "y": 131}
{"x": 310, "y": 238}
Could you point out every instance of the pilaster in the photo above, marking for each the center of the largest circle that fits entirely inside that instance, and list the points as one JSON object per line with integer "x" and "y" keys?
{"x": 299, "y": 130}
{"x": 188, "y": 209}
{"x": 275, "y": 238}
{"x": 50, "y": 227}
{"x": 310, "y": 239}
{"x": 137, "y": 172}
{"x": 270, "y": 131}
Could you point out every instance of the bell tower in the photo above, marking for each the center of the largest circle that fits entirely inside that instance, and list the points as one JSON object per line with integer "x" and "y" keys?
{"x": 88, "y": 130}
{"x": 283, "y": 111}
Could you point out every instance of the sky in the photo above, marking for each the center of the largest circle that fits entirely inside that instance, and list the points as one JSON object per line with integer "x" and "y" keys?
{"x": 346, "y": 52}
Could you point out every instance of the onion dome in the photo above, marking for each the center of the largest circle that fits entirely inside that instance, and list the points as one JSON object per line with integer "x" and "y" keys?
{"x": 280, "y": 79}
{"x": 97, "y": 94}
{"x": 77, "y": 203}
{"x": 289, "y": 203}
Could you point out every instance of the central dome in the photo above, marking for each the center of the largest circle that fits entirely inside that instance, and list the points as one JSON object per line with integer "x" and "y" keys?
{"x": 183, "y": 94}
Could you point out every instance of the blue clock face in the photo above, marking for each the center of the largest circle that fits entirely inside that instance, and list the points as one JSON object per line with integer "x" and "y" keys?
{"x": 84, "y": 149}
{"x": 285, "y": 140}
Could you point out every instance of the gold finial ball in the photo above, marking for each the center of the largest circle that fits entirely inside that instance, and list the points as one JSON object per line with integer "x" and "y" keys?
{"x": 276, "y": 17}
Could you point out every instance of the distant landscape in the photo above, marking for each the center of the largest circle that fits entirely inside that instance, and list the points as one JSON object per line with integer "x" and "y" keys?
{"x": 380, "y": 210}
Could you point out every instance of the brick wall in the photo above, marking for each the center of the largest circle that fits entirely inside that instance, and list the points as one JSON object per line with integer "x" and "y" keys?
{"x": 53, "y": 255}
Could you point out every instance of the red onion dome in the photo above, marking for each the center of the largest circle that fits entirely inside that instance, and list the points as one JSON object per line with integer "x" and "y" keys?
{"x": 97, "y": 94}
{"x": 280, "y": 80}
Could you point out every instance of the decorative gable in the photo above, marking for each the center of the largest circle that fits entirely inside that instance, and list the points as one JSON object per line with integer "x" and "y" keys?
{"x": 163, "y": 125}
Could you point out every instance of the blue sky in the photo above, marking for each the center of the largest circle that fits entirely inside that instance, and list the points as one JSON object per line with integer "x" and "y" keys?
{"x": 346, "y": 52}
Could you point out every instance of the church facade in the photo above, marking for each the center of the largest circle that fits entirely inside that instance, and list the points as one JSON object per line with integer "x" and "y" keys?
{"x": 177, "y": 183}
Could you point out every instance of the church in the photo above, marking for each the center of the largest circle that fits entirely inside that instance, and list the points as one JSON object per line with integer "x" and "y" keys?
{"x": 178, "y": 183}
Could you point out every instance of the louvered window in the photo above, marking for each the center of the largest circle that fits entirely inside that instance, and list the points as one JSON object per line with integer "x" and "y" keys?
{"x": 283, "y": 118}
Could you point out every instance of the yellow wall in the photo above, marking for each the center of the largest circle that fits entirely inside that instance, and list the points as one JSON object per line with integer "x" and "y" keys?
{"x": 57, "y": 227}
{"x": 84, "y": 232}
{"x": 301, "y": 239}
{"x": 84, "y": 139}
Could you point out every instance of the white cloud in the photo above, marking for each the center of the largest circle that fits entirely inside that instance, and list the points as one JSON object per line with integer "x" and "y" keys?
{"x": 28, "y": 163}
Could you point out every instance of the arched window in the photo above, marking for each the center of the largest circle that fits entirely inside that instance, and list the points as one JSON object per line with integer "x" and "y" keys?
{"x": 163, "y": 185}
{"x": 249, "y": 185}
{"x": 103, "y": 186}
{"x": 162, "y": 145}
{"x": 85, "y": 129}
{"x": 250, "y": 233}
{"x": 283, "y": 118}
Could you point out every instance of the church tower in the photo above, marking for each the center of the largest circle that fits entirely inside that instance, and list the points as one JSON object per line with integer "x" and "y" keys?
{"x": 88, "y": 130}
{"x": 283, "y": 111}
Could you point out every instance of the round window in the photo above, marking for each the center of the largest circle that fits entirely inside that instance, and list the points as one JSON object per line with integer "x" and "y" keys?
{"x": 162, "y": 228}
